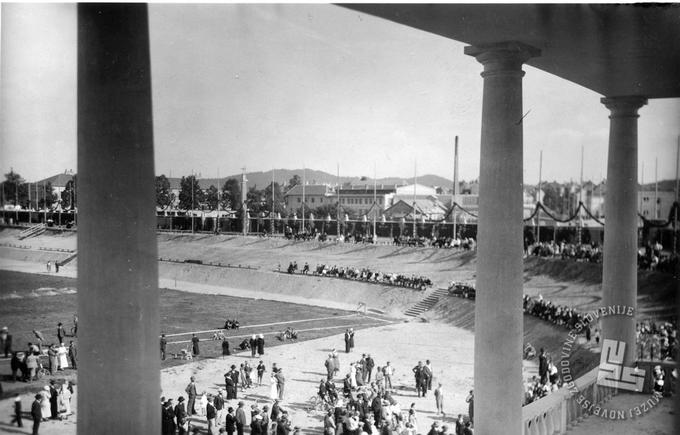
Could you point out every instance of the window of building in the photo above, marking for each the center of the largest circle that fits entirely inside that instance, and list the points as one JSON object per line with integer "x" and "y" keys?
{"x": 312, "y": 200}
{"x": 299, "y": 200}
{"x": 321, "y": 200}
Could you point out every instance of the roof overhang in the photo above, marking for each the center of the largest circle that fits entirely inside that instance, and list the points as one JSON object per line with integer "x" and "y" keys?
{"x": 614, "y": 50}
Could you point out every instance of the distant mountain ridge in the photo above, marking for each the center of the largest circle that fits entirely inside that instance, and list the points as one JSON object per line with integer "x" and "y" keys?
{"x": 262, "y": 179}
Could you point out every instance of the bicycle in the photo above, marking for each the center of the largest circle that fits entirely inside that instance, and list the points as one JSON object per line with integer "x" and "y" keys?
{"x": 316, "y": 403}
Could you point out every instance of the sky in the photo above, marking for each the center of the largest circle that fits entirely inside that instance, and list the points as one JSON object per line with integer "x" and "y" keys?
{"x": 290, "y": 86}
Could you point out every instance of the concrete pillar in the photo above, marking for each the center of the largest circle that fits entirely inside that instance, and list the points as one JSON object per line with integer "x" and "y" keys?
{"x": 118, "y": 371}
{"x": 619, "y": 268}
{"x": 498, "y": 387}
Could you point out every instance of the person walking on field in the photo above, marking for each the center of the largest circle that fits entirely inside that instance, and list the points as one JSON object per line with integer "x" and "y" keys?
{"x": 191, "y": 393}
{"x": 17, "y": 411}
{"x": 36, "y": 413}
{"x": 240, "y": 418}
{"x": 439, "y": 399}
{"x": 164, "y": 344}
{"x": 194, "y": 345}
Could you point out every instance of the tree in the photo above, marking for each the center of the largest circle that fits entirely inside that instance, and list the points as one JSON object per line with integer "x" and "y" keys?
{"x": 296, "y": 180}
{"x": 190, "y": 194}
{"x": 46, "y": 195}
{"x": 322, "y": 211}
{"x": 212, "y": 197}
{"x": 164, "y": 197}
{"x": 278, "y": 198}
{"x": 69, "y": 196}
{"x": 231, "y": 194}
{"x": 14, "y": 190}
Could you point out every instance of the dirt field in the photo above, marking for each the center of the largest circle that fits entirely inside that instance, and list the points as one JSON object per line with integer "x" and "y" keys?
{"x": 446, "y": 339}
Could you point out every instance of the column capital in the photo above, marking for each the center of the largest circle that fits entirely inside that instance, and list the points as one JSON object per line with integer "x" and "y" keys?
{"x": 625, "y": 106}
{"x": 502, "y": 57}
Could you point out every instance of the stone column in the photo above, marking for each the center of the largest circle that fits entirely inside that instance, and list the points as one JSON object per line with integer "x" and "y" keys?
{"x": 619, "y": 269}
{"x": 118, "y": 371}
{"x": 498, "y": 386}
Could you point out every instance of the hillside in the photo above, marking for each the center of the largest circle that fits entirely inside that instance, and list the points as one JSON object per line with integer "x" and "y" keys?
{"x": 262, "y": 179}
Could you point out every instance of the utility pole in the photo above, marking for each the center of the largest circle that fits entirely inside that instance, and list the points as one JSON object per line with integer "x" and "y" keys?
{"x": 304, "y": 172}
{"x": 273, "y": 213}
{"x": 538, "y": 199}
{"x": 656, "y": 188}
{"x": 244, "y": 203}
{"x": 193, "y": 186}
{"x": 337, "y": 208}
{"x": 580, "y": 201}
{"x": 415, "y": 177}
{"x": 454, "y": 192}
{"x": 375, "y": 203}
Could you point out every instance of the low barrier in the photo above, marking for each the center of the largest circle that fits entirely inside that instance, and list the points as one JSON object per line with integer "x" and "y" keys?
{"x": 207, "y": 263}
{"x": 563, "y": 409}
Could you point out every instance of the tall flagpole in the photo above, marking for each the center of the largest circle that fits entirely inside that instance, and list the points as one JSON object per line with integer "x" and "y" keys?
{"x": 415, "y": 171}
{"x": 337, "y": 208}
{"x": 538, "y": 198}
{"x": 244, "y": 202}
{"x": 580, "y": 201}
{"x": 656, "y": 188}
{"x": 375, "y": 202}
{"x": 272, "y": 214}
{"x": 454, "y": 193}
{"x": 304, "y": 177}
{"x": 193, "y": 180}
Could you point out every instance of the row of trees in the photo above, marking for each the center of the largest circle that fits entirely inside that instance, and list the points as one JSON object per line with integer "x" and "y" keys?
{"x": 228, "y": 197}
{"x": 16, "y": 191}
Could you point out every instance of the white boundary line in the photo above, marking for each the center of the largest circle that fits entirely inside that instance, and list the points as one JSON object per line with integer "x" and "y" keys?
{"x": 299, "y": 330}
{"x": 262, "y": 325}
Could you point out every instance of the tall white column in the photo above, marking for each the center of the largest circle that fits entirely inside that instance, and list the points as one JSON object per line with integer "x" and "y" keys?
{"x": 119, "y": 364}
{"x": 498, "y": 305}
{"x": 619, "y": 268}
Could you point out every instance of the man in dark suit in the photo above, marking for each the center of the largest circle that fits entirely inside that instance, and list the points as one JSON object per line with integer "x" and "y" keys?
{"x": 194, "y": 345}
{"x": 191, "y": 392}
{"x": 276, "y": 410}
{"x": 240, "y": 418}
{"x": 168, "y": 418}
{"x": 230, "y": 422}
{"x": 36, "y": 413}
{"x": 181, "y": 415}
{"x": 73, "y": 355}
{"x": 543, "y": 366}
{"x": 211, "y": 415}
{"x": 347, "y": 345}
{"x": 164, "y": 343}
{"x": 369, "y": 366}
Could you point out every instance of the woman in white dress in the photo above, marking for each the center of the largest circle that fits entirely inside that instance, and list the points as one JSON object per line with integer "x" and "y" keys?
{"x": 65, "y": 398}
{"x": 273, "y": 391}
{"x": 62, "y": 355}
{"x": 45, "y": 403}
{"x": 353, "y": 375}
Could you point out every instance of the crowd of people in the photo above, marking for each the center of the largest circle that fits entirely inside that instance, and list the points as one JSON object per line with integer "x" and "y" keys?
{"x": 363, "y": 400}
{"x": 362, "y": 274}
{"x": 561, "y": 315}
{"x": 53, "y": 402}
{"x": 547, "y": 381}
{"x": 649, "y": 257}
{"x": 465, "y": 243}
{"x": 657, "y": 340}
{"x": 368, "y": 402}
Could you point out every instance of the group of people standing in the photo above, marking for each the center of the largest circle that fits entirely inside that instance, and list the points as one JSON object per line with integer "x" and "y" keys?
{"x": 215, "y": 409}
{"x": 53, "y": 402}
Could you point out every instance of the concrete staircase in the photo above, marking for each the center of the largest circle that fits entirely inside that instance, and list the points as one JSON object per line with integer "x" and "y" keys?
{"x": 426, "y": 303}
{"x": 32, "y": 231}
